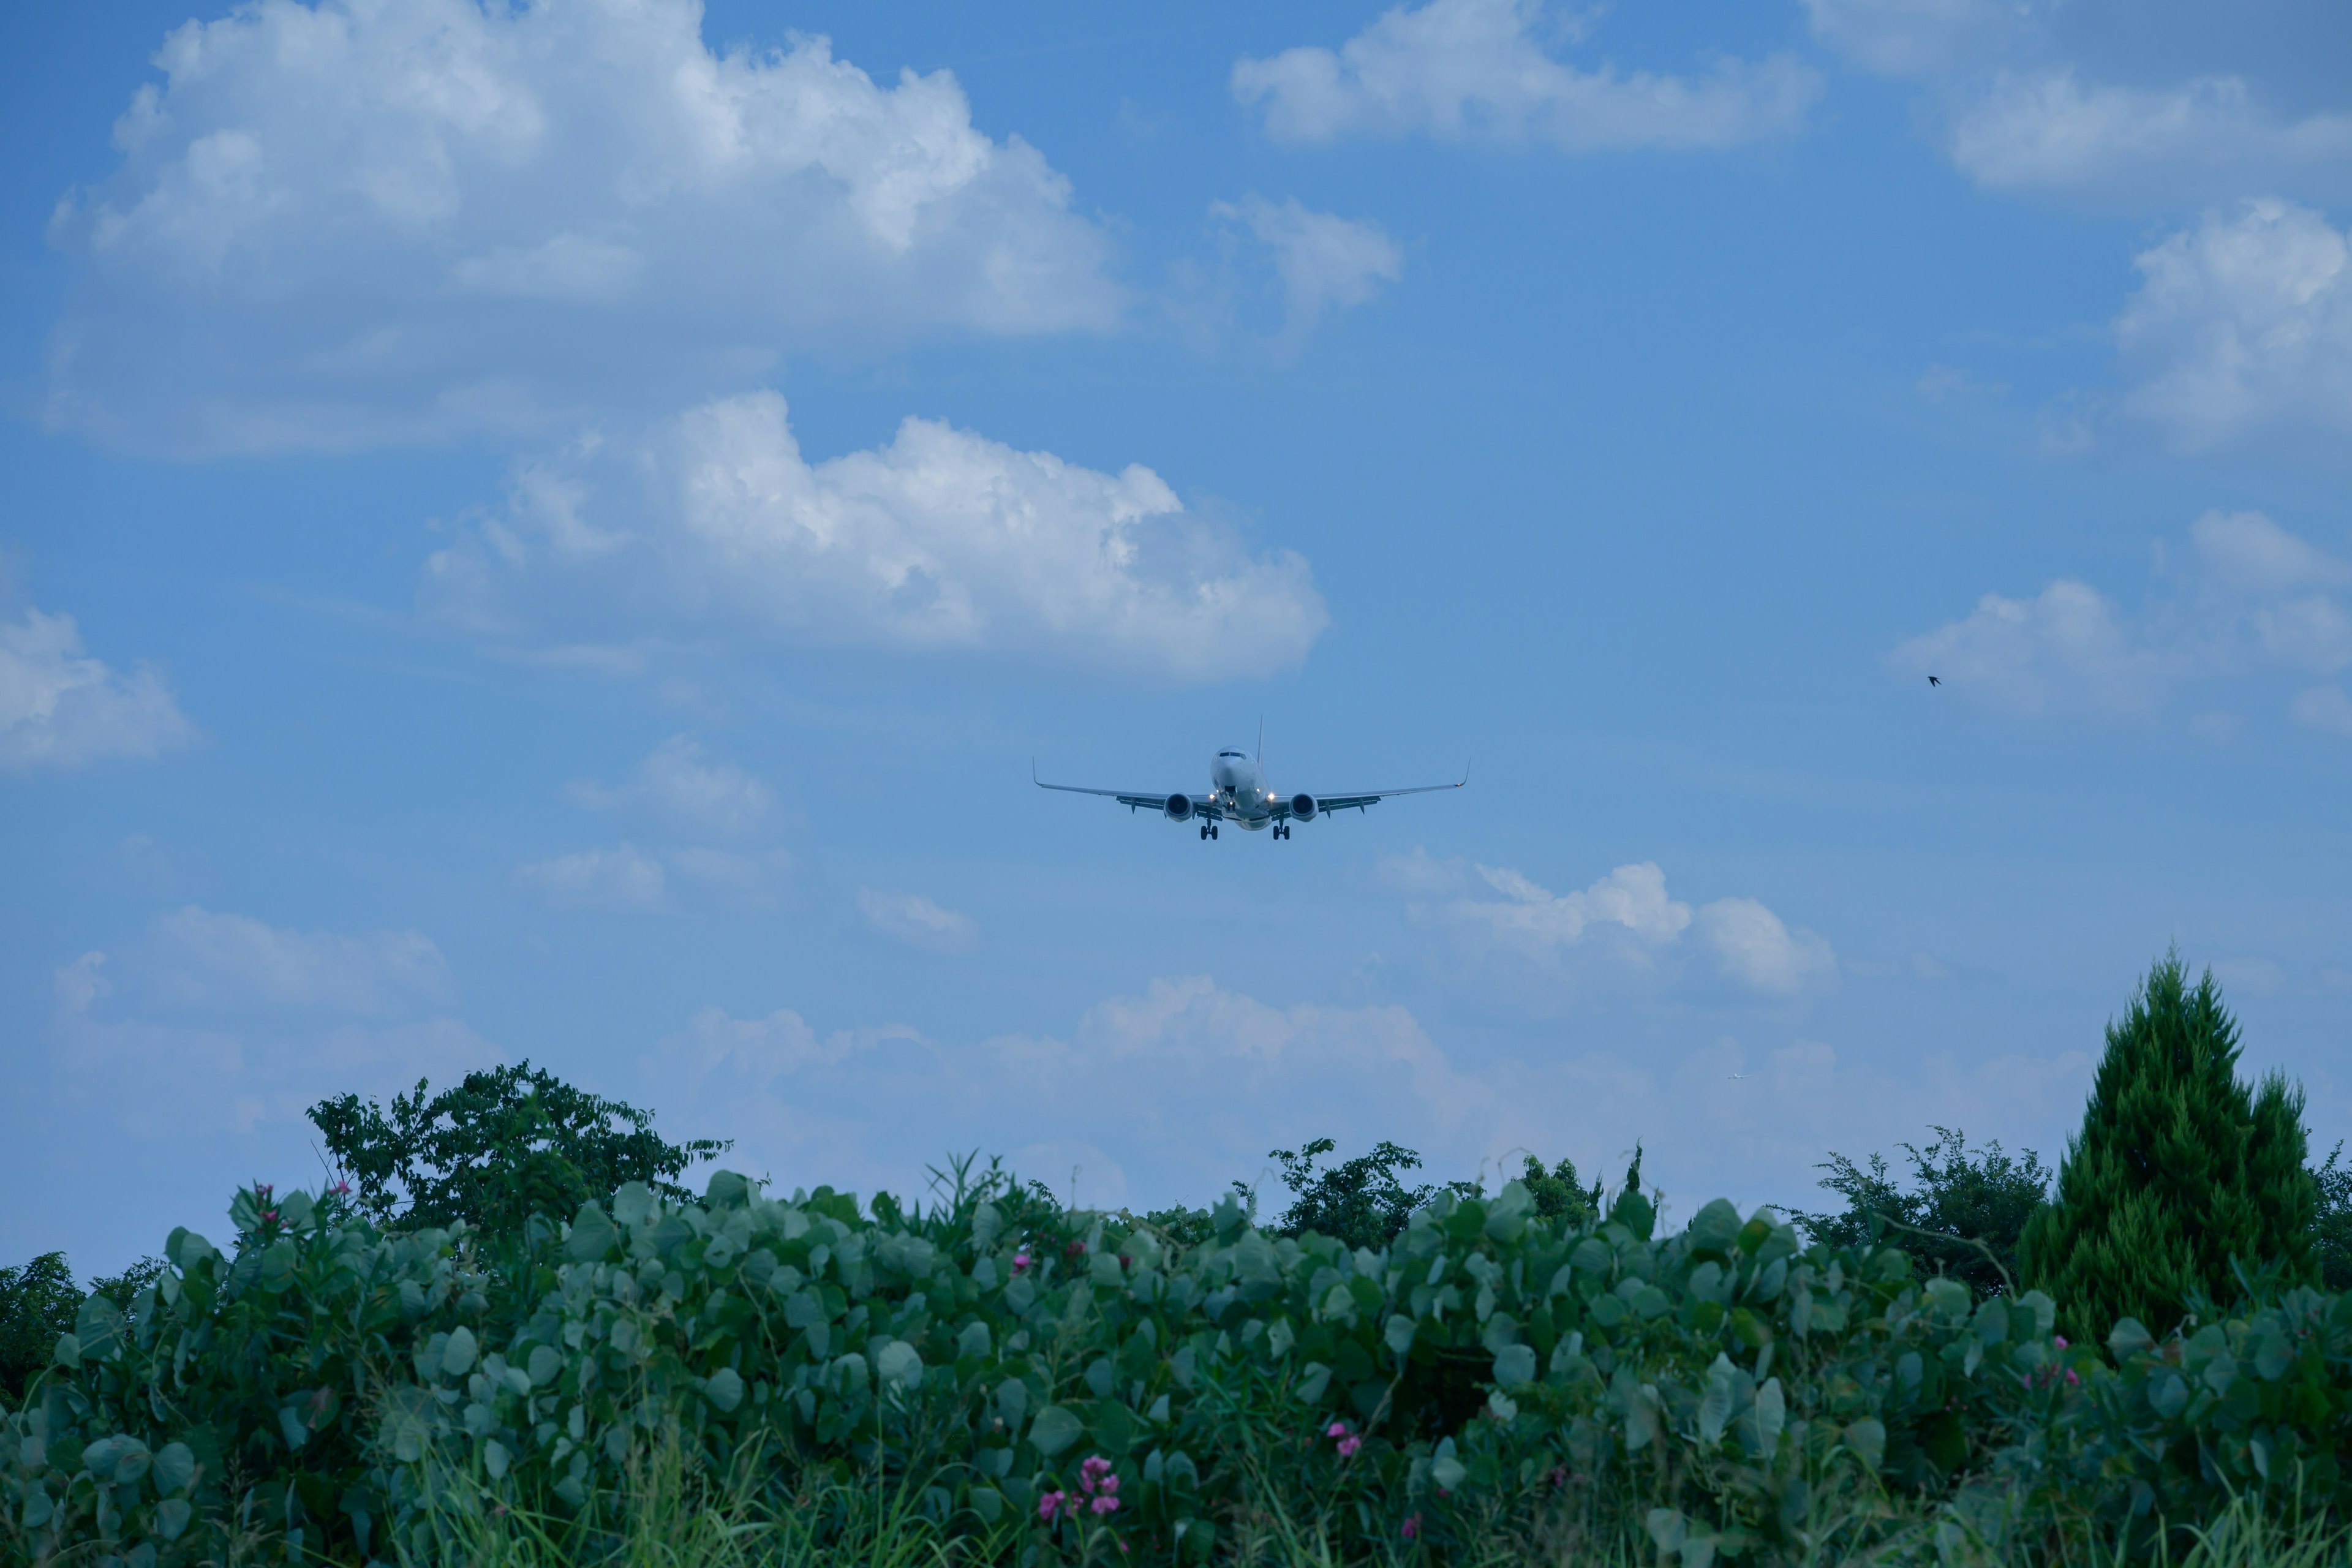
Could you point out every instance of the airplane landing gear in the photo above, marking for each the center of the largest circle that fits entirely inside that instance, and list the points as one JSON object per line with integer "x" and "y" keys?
{"x": 1282, "y": 830}
{"x": 1207, "y": 831}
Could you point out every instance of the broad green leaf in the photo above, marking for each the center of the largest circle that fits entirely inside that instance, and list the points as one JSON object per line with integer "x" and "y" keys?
{"x": 1054, "y": 1430}
{"x": 176, "y": 1467}
{"x": 1867, "y": 1438}
{"x": 725, "y": 1388}
{"x": 1515, "y": 1365}
{"x": 899, "y": 1365}
{"x": 172, "y": 1517}
{"x": 634, "y": 1205}
{"x": 592, "y": 1236}
{"x": 457, "y": 1357}
{"x": 2129, "y": 1338}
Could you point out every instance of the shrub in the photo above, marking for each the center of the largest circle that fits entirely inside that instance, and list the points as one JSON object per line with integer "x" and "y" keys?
{"x": 1963, "y": 1215}
{"x": 36, "y": 1305}
{"x": 351, "y": 1390}
{"x": 503, "y": 1145}
{"x": 2180, "y": 1177}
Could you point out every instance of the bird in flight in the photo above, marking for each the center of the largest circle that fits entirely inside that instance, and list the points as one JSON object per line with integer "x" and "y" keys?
{"x": 1935, "y": 681}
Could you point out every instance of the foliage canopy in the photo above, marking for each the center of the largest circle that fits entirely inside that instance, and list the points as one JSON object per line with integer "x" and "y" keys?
{"x": 505, "y": 1144}
{"x": 2183, "y": 1183}
{"x": 1962, "y": 1215}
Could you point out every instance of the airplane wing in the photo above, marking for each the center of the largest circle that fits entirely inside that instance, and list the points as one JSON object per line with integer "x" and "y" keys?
{"x": 1327, "y": 803}
{"x": 1136, "y": 800}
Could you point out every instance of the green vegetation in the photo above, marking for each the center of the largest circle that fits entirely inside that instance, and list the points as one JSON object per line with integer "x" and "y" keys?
{"x": 1963, "y": 1215}
{"x": 503, "y": 1145}
{"x": 2181, "y": 1179}
{"x": 436, "y": 1370}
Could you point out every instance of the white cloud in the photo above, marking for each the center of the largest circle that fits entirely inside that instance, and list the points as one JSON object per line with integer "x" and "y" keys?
{"x": 61, "y": 708}
{"x": 941, "y": 540}
{"x": 1324, "y": 261}
{"x": 1754, "y": 946}
{"x": 1623, "y": 924}
{"x": 357, "y": 223}
{"x": 1168, "y": 1095}
{"x": 622, "y": 878}
{"x": 1187, "y": 1082}
{"x": 2322, "y": 708}
{"x": 2256, "y": 603}
{"x": 1476, "y": 70}
{"x": 2206, "y": 140}
{"x": 2066, "y": 646}
{"x": 916, "y": 920}
{"x": 213, "y": 1023}
{"x": 2240, "y": 324}
{"x": 1913, "y": 38}
{"x": 679, "y": 785}
{"x": 229, "y": 963}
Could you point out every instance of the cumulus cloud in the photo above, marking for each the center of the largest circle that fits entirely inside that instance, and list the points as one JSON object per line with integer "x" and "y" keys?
{"x": 1187, "y": 1082}
{"x": 677, "y": 783}
{"x": 2322, "y": 708}
{"x": 1913, "y": 38}
{"x": 2205, "y": 139}
{"x": 941, "y": 540}
{"x": 1324, "y": 261}
{"x": 2253, "y": 600}
{"x": 1168, "y": 1094}
{"x": 1477, "y": 70}
{"x": 219, "y": 961}
{"x": 916, "y": 920}
{"x": 2066, "y": 646}
{"x": 211, "y": 1022}
{"x": 2242, "y": 324}
{"x": 351, "y": 224}
{"x": 61, "y": 708}
{"x": 1626, "y": 923}
{"x": 622, "y": 878}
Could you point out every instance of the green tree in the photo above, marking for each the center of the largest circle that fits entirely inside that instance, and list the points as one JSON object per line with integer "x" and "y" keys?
{"x": 1963, "y": 1214}
{"x": 37, "y": 1303}
{"x": 2331, "y": 1232}
{"x": 503, "y": 1145}
{"x": 2180, "y": 1178}
{"x": 1559, "y": 1194}
{"x": 1361, "y": 1202}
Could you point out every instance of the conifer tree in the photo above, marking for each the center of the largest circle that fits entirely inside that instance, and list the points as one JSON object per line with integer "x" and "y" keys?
{"x": 2179, "y": 1171}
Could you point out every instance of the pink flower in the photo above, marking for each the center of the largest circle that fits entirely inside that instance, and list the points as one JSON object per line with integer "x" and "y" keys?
{"x": 267, "y": 1215}
{"x": 1412, "y": 1527}
{"x": 1336, "y": 1429}
{"x": 1560, "y": 1475}
{"x": 341, "y": 1189}
{"x": 1048, "y": 1505}
{"x": 1348, "y": 1444}
{"x": 1095, "y": 1475}
{"x": 2071, "y": 1376}
{"x": 1020, "y": 1261}
{"x": 2058, "y": 1339}
{"x": 1105, "y": 1504}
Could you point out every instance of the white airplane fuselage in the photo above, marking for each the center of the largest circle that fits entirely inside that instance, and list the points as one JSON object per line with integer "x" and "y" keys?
{"x": 1238, "y": 786}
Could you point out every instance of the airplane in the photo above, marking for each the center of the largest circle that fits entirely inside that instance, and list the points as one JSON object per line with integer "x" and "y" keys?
{"x": 1238, "y": 795}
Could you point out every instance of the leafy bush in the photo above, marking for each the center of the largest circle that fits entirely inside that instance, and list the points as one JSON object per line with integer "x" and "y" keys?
{"x": 36, "y": 1304}
{"x": 2181, "y": 1177}
{"x": 505, "y": 1144}
{"x": 1963, "y": 1215}
{"x": 352, "y": 1391}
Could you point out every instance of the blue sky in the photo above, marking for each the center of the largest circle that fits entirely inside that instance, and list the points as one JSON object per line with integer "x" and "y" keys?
{"x": 556, "y": 532}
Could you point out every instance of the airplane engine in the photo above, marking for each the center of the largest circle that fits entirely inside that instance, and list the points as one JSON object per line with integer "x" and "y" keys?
{"x": 1179, "y": 808}
{"x": 1302, "y": 808}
